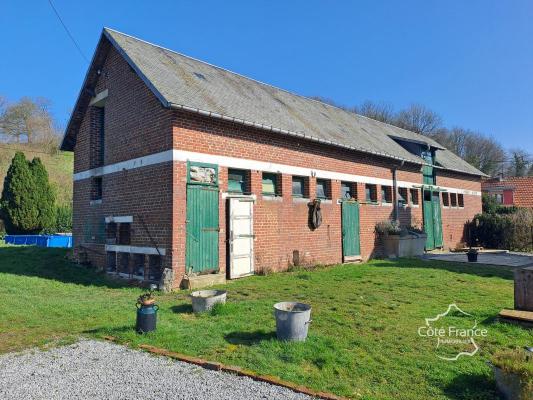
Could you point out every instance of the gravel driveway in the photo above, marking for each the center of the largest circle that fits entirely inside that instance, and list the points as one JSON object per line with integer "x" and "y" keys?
{"x": 100, "y": 370}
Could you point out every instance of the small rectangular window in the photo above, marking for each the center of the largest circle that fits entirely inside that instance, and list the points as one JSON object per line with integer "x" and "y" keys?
{"x": 154, "y": 268}
{"x": 499, "y": 198}
{"x": 298, "y": 186}
{"x": 124, "y": 263}
{"x": 322, "y": 189}
{"x": 445, "y": 199}
{"x": 461, "y": 200}
{"x": 386, "y": 194}
{"x": 427, "y": 195}
{"x": 348, "y": 190}
{"x": 270, "y": 184}
{"x": 371, "y": 193}
{"x": 138, "y": 264}
{"x": 96, "y": 188}
{"x": 414, "y": 197}
{"x": 453, "y": 199}
{"x": 402, "y": 196}
{"x": 124, "y": 234}
{"x": 101, "y": 136}
{"x": 111, "y": 233}
{"x": 111, "y": 261}
{"x": 237, "y": 180}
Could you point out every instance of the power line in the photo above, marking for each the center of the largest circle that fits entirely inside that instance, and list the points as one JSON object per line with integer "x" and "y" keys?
{"x": 68, "y": 32}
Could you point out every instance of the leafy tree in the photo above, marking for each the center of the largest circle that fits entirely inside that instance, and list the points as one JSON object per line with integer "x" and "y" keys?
{"x": 19, "y": 210}
{"x": 44, "y": 196}
{"x": 27, "y": 202}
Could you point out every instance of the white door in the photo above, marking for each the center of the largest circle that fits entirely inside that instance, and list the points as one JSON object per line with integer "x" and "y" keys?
{"x": 241, "y": 237}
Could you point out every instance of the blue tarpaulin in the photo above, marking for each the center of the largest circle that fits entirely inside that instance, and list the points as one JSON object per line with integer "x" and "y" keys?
{"x": 40, "y": 240}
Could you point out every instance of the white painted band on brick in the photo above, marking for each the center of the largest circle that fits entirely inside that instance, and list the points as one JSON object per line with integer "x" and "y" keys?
{"x": 98, "y": 100}
{"x": 152, "y": 159}
{"x": 242, "y": 163}
{"x": 134, "y": 249}
{"x": 119, "y": 220}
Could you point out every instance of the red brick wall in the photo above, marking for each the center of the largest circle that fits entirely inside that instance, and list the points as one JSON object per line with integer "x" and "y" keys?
{"x": 454, "y": 219}
{"x": 135, "y": 125}
{"x": 281, "y": 225}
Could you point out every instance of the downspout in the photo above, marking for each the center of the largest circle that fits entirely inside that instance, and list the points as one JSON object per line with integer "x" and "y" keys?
{"x": 395, "y": 189}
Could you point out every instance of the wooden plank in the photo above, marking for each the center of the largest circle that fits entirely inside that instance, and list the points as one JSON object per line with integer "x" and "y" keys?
{"x": 526, "y": 316}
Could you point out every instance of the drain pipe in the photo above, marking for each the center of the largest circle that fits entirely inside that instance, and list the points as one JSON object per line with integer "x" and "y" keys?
{"x": 395, "y": 189}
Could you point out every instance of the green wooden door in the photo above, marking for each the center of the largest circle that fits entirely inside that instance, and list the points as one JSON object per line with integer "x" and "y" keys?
{"x": 437, "y": 221}
{"x": 350, "y": 229}
{"x": 428, "y": 220}
{"x": 201, "y": 253}
{"x": 432, "y": 219}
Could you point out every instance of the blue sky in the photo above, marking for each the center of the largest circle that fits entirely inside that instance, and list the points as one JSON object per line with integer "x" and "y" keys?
{"x": 470, "y": 61}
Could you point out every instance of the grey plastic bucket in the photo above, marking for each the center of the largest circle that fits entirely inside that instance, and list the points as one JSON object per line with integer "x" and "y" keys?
{"x": 292, "y": 320}
{"x": 204, "y": 300}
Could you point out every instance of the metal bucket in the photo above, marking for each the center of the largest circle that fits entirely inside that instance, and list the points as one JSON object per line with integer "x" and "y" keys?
{"x": 204, "y": 300}
{"x": 146, "y": 318}
{"x": 292, "y": 320}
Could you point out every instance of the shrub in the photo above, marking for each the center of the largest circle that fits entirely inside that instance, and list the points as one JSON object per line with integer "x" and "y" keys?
{"x": 513, "y": 231}
{"x": 388, "y": 227}
{"x": 63, "y": 218}
{"x": 516, "y": 362}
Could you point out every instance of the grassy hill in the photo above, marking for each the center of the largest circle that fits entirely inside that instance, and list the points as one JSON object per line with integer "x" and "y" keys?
{"x": 59, "y": 167}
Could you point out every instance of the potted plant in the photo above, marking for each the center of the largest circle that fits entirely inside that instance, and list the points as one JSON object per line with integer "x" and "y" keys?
{"x": 147, "y": 299}
{"x": 513, "y": 372}
{"x": 472, "y": 254}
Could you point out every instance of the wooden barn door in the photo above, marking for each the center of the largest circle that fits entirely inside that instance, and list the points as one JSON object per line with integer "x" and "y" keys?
{"x": 202, "y": 223}
{"x": 351, "y": 247}
{"x": 241, "y": 237}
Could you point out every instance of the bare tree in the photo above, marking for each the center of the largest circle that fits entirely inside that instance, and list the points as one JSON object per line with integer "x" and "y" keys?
{"x": 29, "y": 120}
{"x": 419, "y": 119}
{"x": 520, "y": 163}
{"x": 383, "y": 112}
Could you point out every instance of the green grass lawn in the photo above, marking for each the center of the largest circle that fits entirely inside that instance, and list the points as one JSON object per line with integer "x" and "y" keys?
{"x": 363, "y": 341}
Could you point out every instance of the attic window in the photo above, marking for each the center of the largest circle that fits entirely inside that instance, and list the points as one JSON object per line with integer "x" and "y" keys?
{"x": 201, "y": 76}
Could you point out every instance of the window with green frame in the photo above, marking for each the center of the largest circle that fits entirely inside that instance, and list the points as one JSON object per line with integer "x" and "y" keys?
{"x": 298, "y": 186}
{"x": 237, "y": 180}
{"x": 270, "y": 184}
{"x": 322, "y": 189}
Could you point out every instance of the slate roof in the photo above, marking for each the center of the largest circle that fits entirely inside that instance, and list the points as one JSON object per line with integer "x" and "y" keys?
{"x": 180, "y": 81}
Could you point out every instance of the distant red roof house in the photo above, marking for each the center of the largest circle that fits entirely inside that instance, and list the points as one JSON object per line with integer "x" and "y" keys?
{"x": 515, "y": 191}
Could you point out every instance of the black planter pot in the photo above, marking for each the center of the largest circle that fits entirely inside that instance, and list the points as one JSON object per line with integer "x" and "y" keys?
{"x": 472, "y": 257}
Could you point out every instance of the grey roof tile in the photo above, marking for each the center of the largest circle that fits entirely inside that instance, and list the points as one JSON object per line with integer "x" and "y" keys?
{"x": 180, "y": 80}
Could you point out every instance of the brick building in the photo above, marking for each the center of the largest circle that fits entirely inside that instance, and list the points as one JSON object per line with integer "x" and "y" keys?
{"x": 512, "y": 191}
{"x": 181, "y": 164}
